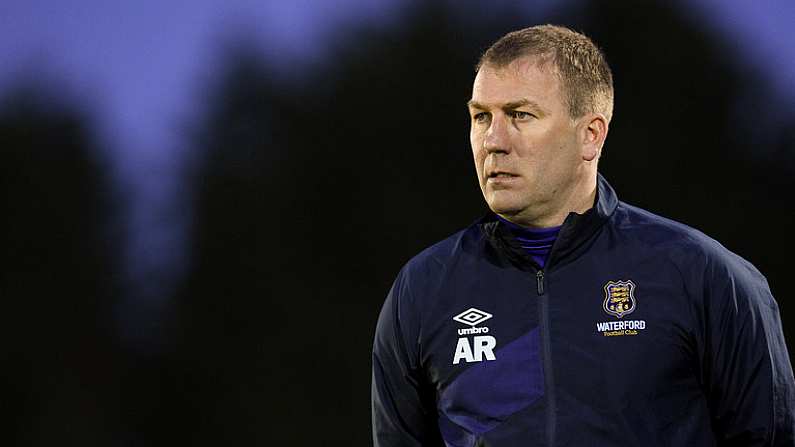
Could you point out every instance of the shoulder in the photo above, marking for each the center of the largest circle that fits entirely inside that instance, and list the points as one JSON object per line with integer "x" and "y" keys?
{"x": 660, "y": 233}
{"x": 435, "y": 260}
{"x": 422, "y": 277}
{"x": 657, "y": 231}
{"x": 694, "y": 253}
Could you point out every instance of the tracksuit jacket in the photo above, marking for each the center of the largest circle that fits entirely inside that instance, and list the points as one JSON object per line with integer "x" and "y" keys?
{"x": 639, "y": 331}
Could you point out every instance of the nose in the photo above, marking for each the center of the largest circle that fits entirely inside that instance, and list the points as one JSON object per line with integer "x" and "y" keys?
{"x": 496, "y": 139}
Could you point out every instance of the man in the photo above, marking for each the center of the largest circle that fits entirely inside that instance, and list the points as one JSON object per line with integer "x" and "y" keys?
{"x": 567, "y": 317}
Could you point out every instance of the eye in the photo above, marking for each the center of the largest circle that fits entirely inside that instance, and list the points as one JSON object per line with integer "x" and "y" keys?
{"x": 519, "y": 115}
{"x": 481, "y": 117}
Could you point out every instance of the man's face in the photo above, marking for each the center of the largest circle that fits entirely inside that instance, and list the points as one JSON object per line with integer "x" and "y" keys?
{"x": 524, "y": 141}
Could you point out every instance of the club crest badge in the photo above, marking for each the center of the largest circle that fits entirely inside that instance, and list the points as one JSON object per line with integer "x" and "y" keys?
{"x": 619, "y": 298}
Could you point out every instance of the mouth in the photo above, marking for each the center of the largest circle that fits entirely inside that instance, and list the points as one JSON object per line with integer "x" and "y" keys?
{"x": 500, "y": 175}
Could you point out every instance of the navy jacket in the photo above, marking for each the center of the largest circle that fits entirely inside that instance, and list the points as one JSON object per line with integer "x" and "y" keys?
{"x": 640, "y": 331}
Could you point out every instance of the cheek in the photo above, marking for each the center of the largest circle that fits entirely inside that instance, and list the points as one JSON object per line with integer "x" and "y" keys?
{"x": 480, "y": 160}
{"x": 477, "y": 151}
{"x": 474, "y": 142}
{"x": 478, "y": 167}
{"x": 558, "y": 149}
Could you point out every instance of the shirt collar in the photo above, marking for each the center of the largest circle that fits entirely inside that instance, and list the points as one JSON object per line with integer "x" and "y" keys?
{"x": 576, "y": 229}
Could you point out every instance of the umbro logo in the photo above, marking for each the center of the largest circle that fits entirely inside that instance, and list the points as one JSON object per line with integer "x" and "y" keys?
{"x": 481, "y": 346}
{"x": 472, "y": 316}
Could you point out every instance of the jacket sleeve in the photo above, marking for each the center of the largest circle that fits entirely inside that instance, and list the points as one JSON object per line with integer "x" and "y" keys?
{"x": 403, "y": 408}
{"x": 746, "y": 367}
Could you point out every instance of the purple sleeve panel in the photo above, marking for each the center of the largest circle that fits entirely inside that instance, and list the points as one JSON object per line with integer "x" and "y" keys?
{"x": 455, "y": 435}
{"x": 489, "y": 392}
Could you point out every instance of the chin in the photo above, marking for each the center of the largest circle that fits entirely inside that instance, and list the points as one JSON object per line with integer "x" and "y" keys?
{"x": 504, "y": 207}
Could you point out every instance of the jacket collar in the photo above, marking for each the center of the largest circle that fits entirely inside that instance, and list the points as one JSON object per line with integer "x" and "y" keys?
{"x": 577, "y": 229}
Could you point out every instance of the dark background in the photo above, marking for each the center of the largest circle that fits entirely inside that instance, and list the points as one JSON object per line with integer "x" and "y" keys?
{"x": 304, "y": 195}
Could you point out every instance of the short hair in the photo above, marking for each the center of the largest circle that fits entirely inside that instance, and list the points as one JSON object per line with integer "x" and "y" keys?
{"x": 580, "y": 65}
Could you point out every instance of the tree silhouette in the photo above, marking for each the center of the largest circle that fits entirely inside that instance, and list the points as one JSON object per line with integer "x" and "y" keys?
{"x": 58, "y": 375}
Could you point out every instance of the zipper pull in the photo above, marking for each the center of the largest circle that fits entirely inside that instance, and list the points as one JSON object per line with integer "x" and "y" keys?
{"x": 540, "y": 280}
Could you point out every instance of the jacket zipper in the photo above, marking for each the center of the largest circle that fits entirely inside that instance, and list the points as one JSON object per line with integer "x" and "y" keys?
{"x": 540, "y": 282}
{"x": 547, "y": 355}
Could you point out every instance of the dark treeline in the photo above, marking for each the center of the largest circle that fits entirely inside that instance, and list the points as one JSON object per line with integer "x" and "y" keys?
{"x": 59, "y": 375}
{"x": 311, "y": 194}
{"x": 310, "y": 199}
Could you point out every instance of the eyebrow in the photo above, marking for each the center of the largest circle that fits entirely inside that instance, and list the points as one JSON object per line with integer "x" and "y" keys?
{"x": 507, "y": 106}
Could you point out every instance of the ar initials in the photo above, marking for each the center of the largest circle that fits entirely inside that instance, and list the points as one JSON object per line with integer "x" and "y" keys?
{"x": 484, "y": 345}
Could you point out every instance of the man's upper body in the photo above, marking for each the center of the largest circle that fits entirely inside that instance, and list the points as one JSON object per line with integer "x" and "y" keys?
{"x": 638, "y": 331}
{"x": 634, "y": 330}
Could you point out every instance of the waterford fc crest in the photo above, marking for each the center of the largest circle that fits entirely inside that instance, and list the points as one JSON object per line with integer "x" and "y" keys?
{"x": 619, "y": 298}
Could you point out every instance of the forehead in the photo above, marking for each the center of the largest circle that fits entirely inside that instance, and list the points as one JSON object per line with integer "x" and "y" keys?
{"x": 523, "y": 78}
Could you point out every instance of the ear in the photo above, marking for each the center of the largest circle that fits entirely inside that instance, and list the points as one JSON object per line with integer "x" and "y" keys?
{"x": 593, "y": 132}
